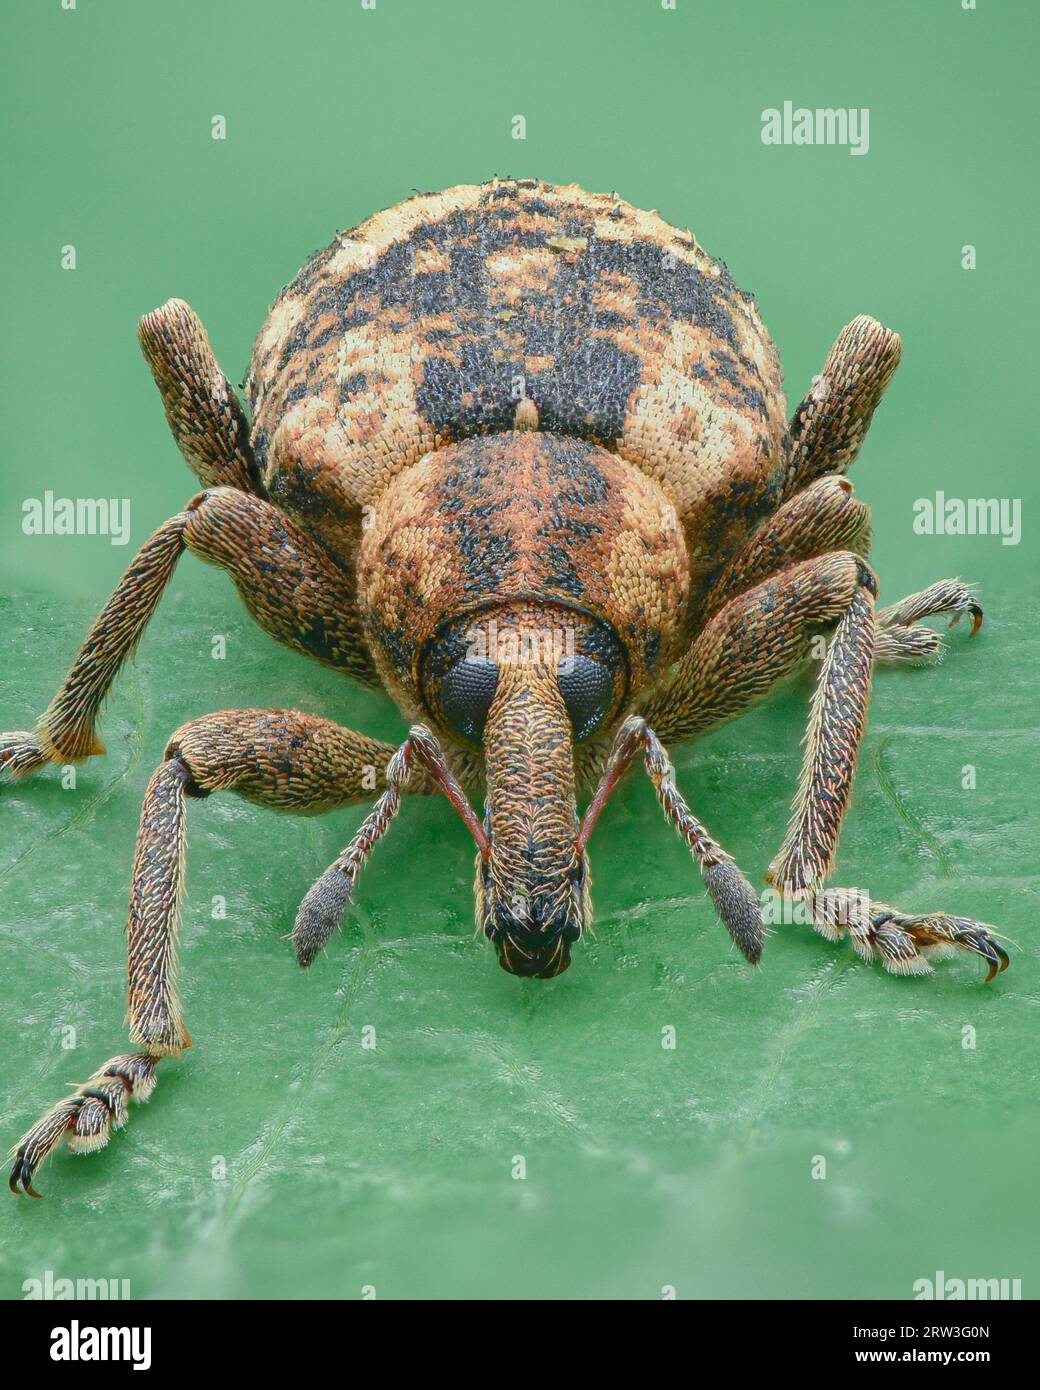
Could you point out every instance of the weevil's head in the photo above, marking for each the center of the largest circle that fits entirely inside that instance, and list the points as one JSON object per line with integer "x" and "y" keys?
{"x": 528, "y": 682}
{"x": 520, "y": 589}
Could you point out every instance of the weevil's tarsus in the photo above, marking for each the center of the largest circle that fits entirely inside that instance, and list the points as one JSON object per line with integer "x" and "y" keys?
{"x": 896, "y": 623}
{"x": 901, "y": 638}
{"x": 21, "y": 753}
{"x": 86, "y": 1118}
{"x": 904, "y": 943}
{"x": 908, "y": 646}
{"x": 945, "y": 596}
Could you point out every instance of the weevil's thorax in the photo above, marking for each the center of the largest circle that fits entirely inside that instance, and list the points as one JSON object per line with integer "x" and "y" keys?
{"x": 540, "y": 543}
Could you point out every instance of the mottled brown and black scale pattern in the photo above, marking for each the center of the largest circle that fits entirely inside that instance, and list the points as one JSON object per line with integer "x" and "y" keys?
{"x": 500, "y": 518}
{"x": 542, "y": 409}
{"x": 425, "y": 326}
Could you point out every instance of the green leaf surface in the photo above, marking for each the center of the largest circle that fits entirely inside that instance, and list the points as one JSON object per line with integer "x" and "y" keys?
{"x": 645, "y": 1166}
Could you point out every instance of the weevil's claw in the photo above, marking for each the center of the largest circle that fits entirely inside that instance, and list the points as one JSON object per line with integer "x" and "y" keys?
{"x": 951, "y": 596}
{"x": 940, "y": 929}
{"x": 20, "y": 754}
{"x": 21, "y": 1177}
{"x": 975, "y": 938}
{"x": 38, "y": 1143}
{"x": 976, "y": 616}
{"x": 738, "y": 906}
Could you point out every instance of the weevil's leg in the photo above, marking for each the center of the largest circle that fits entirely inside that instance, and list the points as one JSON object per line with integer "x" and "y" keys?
{"x": 67, "y": 732}
{"x": 898, "y": 637}
{"x": 325, "y": 903}
{"x": 905, "y": 943}
{"x": 746, "y": 647}
{"x": 902, "y": 942}
{"x": 823, "y": 517}
{"x": 287, "y": 582}
{"x": 757, "y": 640}
{"x": 204, "y": 414}
{"x": 289, "y": 585}
{"x": 751, "y": 644}
{"x": 735, "y": 900}
{"x": 836, "y": 722}
{"x": 908, "y": 646}
{"x": 87, "y": 1116}
{"x": 277, "y": 758}
{"x": 944, "y": 596}
{"x": 831, "y": 422}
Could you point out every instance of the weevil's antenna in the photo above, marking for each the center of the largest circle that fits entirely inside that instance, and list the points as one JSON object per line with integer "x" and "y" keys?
{"x": 322, "y": 909}
{"x": 735, "y": 900}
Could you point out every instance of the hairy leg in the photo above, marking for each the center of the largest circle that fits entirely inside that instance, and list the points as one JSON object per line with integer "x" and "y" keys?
{"x": 750, "y": 644}
{"x": 830, "y": 424}
{"x": 755, "y": 641}
{"x": 827, "y": 431}
{"x": 899, "y": 637}
{"x": 204, "y": 414}
{"x": 281, "y": 759}
{"x": 289, "y": 585}
{"x": 904, "y": 943}
{"x": 823, "y": 517}
{"x": 758, "y": 639}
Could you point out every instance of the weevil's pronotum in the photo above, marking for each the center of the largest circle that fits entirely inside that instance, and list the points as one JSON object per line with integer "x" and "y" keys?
{"x": 518, "y": 454}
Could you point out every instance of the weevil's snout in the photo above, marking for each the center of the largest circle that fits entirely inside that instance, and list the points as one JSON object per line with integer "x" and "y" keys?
{"x": 533, "y": 930}
{"x": 532, "y": 884}
{"x": 535, "y": 960}
{"x": 542, "y": 966}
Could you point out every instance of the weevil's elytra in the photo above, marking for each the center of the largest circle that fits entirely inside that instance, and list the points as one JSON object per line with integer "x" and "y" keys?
{"x": 427, "y": 324}
{"x": 520, "y": 455}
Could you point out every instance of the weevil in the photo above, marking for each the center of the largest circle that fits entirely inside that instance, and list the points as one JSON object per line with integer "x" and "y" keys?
{"x": 519, "y": 455}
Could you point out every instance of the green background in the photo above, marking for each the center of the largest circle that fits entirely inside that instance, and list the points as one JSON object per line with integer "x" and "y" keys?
{"x": 646, "y": 1168}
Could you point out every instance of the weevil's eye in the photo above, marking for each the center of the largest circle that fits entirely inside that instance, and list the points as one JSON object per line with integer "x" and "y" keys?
{"x": 587, "y": 687}
{"x": 459, "y": 670}
{"x": 465, "y": 694}
{"x": 458, "y": 679}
